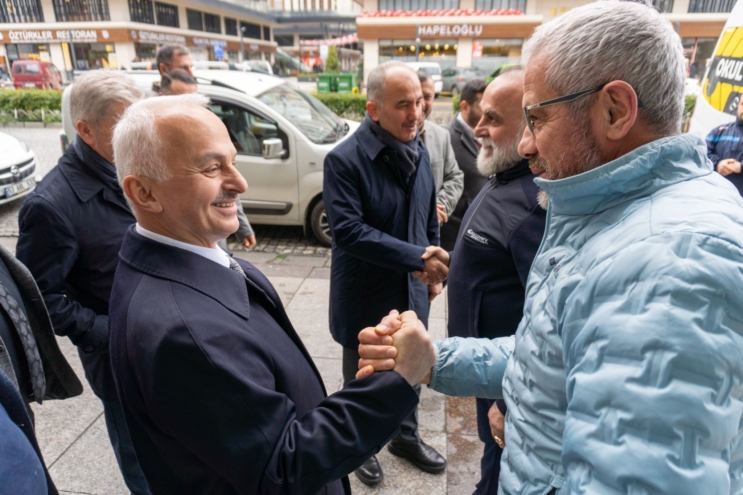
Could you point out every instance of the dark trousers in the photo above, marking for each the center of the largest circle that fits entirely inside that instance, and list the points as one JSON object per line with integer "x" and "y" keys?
{"x": 490, "y": 462}
{"x": 409, "y": 427}
{"x": 121, "y": 442}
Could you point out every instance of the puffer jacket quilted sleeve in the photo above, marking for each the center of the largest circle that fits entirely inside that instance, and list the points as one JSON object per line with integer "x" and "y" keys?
{"x": 653, "y": 355}
{"x": 471, "y": 367}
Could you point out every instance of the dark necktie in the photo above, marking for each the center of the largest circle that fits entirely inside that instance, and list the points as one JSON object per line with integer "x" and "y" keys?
{"x": 235, "y": 267}
{"x": 28, "y": 341}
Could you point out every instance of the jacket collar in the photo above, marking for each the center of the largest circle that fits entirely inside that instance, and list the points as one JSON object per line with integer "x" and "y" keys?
{"x": 368, "y": 140}
{"x": 521, "y": 168}
{"x": 637, "y": 174}
{"x": 225, "y": 286}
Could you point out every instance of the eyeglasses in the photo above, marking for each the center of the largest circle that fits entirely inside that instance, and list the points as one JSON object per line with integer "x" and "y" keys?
{"x": 562, "y": 99}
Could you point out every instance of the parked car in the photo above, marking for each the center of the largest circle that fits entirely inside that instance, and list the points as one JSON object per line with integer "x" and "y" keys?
{"x": 454, "y": 78}
{"x": 17, "y": 168}
{"x": 35, "y": 74}
{"x": 432, "y": 68}
{"x": 281, "y": 135}
{"x": 498, "y": 70}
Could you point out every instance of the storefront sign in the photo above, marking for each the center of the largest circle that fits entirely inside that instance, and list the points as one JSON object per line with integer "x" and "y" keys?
{"x": 450, "y": 31}
{"x": 477, "y": 49}
{"x": 209, "y": 42}
{"x": 53, "y": 36}
{"x": 152, "y": 37}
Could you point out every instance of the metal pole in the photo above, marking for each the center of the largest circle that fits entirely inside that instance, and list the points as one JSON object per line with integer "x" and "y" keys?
{"x": 72, "y": 53}
{"x": 242, "y": 44}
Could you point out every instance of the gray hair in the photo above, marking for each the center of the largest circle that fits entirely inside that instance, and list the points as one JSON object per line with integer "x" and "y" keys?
{"x": 93, "y": 93}
{"x": 166, "y": 53}
{"x": 611, "y": 40}
{"x": 424, "y": 76}
{"x": 137, "y": 143}
{"x": 377, "y": 80}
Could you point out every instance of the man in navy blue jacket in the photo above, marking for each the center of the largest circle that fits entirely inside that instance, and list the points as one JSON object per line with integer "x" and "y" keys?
{"x": 220, "y": 394}
{"x": 499, "y": 238}
{"x": 71, "y": 228}
{"x": 725, "y": 150}
{"x": 380, "y": 197}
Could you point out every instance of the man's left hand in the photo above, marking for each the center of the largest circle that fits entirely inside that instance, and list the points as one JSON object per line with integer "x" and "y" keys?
{"x": 729, "y": 166}
{"x": 249, "y": 242}
{"x": 441, "y": 212}
{"x": 497, "y": 425}
{"x": 434, "y": 291}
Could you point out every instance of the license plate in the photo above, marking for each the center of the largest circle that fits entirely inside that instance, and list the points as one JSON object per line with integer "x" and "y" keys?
{"x": 20, "y": 187}
{"x": 30, "y": 85}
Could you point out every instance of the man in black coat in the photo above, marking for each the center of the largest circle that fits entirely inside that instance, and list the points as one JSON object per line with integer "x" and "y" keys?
{"x": 380, "y": 198}
{"x": 466, "y": 147}
{"x": 219, "y": 392}
{"x": 32, "y": 368}
{"x": 500, "y": 236}
{"x": 71, "y": 228}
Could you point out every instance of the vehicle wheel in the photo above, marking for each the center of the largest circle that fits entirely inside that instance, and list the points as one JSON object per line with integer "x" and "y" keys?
{"x": 319, "y": 223}
{"x": 436, "y": 95}
{"x": 454, "y": 91}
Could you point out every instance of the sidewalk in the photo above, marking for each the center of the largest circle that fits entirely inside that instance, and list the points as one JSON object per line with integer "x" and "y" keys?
{"x": 72, "y": 433}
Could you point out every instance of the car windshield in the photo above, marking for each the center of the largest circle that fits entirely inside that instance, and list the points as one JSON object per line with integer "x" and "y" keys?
{"x": 434, "y": 71}
{"x": 311, "y": 117}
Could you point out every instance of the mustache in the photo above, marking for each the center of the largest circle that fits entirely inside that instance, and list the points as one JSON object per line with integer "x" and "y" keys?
{"x": 224, "y": 196}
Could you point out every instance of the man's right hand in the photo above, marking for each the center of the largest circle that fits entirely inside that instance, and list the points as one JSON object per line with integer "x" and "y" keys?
{"x": 411, "y": 352}
{"x": 728, "y": 166}
{"x": 497, "y": 425}
{"x": 435, "y": 266}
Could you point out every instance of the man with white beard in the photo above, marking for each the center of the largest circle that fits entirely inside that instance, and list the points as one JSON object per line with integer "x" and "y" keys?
{"x": 499, "y": 237}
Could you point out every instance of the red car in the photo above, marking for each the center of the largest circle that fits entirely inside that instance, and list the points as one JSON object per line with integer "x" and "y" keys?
{"x": 35, "y": 74}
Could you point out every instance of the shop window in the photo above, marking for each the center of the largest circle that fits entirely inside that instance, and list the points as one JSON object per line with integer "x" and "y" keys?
{"x": 284, "y": 40}
{"x": 711, "y": 6}
{"x": 443, "y": 52}
{"x": 212, "y": 23}
{"x": 663, "y": 6}
{"x": 142, "y": 11}
{"x": 167, "y": 14}
{"x": 251, "y": 30}
{"x": 21, "y": 11}
{"x": 418, "y": 4}
{"x": 494, "y": 53}
{"x": 697, "y": 51}
{"x": 230, "y": 26}
{"x": 195, "y": 20}
{"x": 89, "y": 56}
{"x": 145, "y": 52}
{"x": 500, "y": 4}
{"x": 266, "y": 33}
{"x": 81, "y": 10}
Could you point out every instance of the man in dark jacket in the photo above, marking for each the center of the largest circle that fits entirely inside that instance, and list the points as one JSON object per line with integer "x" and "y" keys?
{"x": 500, "y": 235}
{"x": 71, "y": 228}
{"x": 380, "y": 199}
{"x": 32, "y": 368}
{"x": 219, "y": 392}
{"x": 466, "y": 148}
{"x": 725, "y": 149}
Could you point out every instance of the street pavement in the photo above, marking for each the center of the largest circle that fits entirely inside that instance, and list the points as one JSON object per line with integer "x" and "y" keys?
{"x": 74, "y": 442}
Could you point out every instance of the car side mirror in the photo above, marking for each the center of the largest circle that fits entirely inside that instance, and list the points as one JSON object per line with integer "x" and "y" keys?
{"x": 273, "y": 148}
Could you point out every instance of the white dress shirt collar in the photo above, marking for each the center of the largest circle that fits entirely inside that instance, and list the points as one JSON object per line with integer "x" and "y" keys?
{"x": 465, "y": 124}
{"x": 216, "y": 255}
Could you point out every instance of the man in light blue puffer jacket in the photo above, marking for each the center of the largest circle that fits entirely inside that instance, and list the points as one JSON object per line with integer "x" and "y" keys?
{"x": 626, "y": 373}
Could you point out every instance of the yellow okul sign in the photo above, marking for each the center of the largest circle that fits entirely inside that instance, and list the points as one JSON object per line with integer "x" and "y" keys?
{"x": 724, "y": 84}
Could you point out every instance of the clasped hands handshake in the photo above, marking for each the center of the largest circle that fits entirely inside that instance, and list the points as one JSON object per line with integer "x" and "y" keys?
{"x": 435, "y": 266}
{"x": 401, "y": 343}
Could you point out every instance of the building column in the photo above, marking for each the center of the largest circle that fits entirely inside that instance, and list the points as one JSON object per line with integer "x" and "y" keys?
{"x": 57, "y": 55}
{"x": 125, "y": 53}
{"x": 47, "y": 8}
{"x": 464, "y": 52}
{"x": 680, "y": 7}
{"x": 371, "y": 56}
{"x": 467, "y": 4}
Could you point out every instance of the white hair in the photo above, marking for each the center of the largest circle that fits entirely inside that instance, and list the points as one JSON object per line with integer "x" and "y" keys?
{"x": 612, "y": 40}
{"x": 93, "y": 93}
{"x": 377, "y": 80}
{"x": 137, "y": 144}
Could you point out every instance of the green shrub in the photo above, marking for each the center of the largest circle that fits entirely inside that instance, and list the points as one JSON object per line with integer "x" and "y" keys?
{"x": 346, "y": 105}
{"x": 30, "y": 99}
{"x": 455, "y": 103}
{"x": 331, "y": 63}
{"x": 689, "y": 103}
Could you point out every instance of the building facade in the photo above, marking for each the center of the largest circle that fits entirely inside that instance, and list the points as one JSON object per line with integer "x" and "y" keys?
{"x": 91, "y": 34}
{"x": 488, "y": 33}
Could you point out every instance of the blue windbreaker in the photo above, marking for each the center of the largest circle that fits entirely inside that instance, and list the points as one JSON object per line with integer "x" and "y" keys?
{"x": 725, "y": 142}
{"x": 626, "y": 372}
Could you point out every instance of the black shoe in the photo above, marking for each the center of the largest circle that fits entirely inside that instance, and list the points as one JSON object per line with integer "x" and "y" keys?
{"x": 370, "y": 473}
{"x": 423, "y": 456}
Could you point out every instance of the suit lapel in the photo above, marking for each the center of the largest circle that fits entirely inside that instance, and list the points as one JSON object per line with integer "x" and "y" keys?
{"x": 465, "y": 137}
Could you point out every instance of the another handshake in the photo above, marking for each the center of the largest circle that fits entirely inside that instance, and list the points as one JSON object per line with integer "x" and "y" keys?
{"x": 435, "y": 266}
{"x": 401, "y": 343}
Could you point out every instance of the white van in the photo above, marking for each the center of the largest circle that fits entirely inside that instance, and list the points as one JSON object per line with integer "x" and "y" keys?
{"x": 432, "y": 68}
{"x": 281, "y": 134}
{"x": 722, "y": 86}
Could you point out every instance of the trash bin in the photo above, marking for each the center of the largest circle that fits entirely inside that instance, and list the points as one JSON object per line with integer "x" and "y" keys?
{"x": 324, "y": 83}
{"x": 346, "y": 82}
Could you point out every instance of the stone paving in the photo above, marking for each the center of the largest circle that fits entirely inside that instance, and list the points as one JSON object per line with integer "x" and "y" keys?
{"x": 72, "y": 433}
